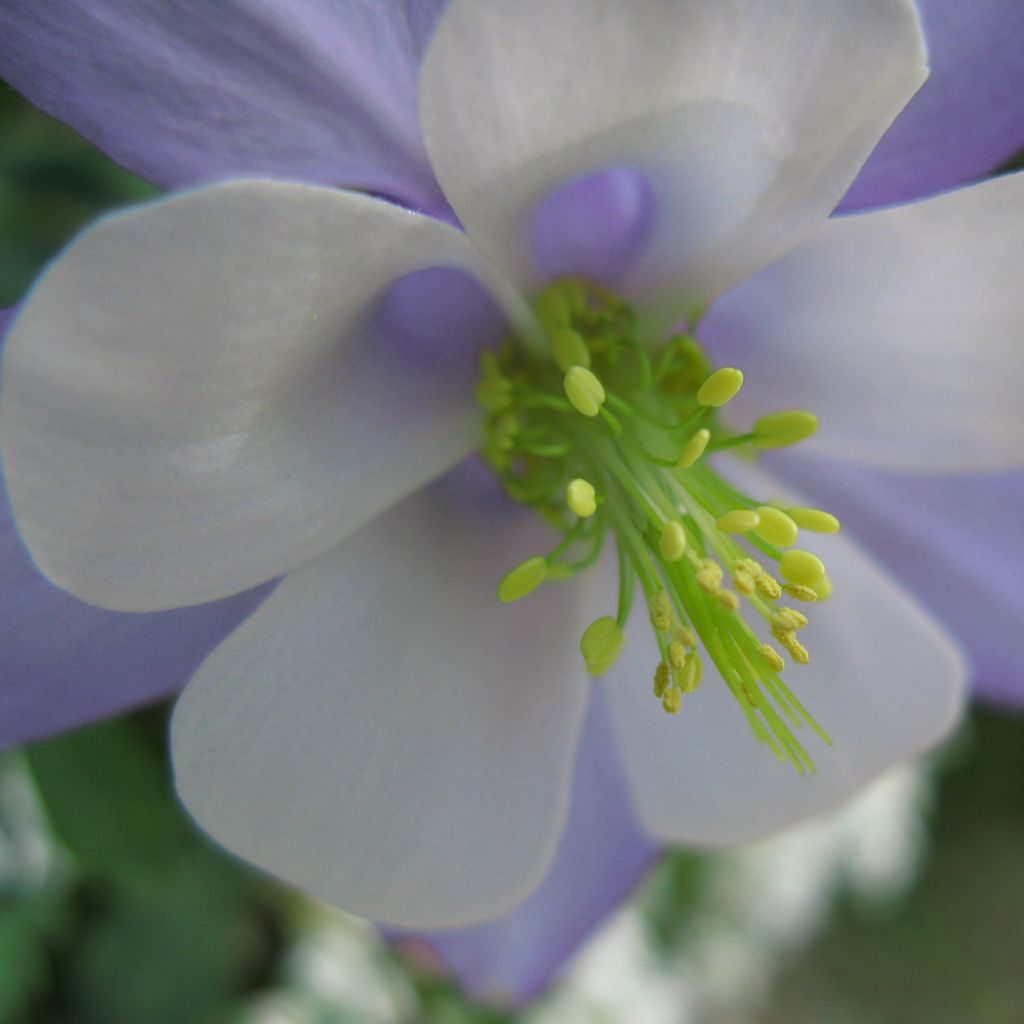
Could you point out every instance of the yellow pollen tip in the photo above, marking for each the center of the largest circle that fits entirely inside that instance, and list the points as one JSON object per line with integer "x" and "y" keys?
{"x": 801, "y": 567}
{"x": 781, "y": 429}
{"x": 581, "y": 497}
{"x": 672, "y": 701}
{"x": 685, "y": 636}
{"x": 739, "y": 520}
{"x": 814, "y": 519}
{"x": 584, "y": 391}
{"x": 768, "y": 586}
{"x": 728, "y": 600}
{"x": 709, "y": 577}
{"x": 662, "y": 678}
{"x": 789, "y": 619}
{"x": 692, "y": 672}
{"x": 721, "y": 387}
{"x": 694, "y": 448}
{"x": 601, "y": 644}
{"x": 796, "y": 650}
{"x": 523, "y": 579}
{"x": 772, "y": 656}
{"x": 776, "y": 527}
{"x": 661, "y": 611}
{"x": 676, "y": 653}
{"x": 569, "y": 349}
{"x": 743, "y": 582}
{"x": 673, "y": 541}
{"x": 800, "y": 592}
{"x": 554, "y": 309}
{"x": 493, "y": 395}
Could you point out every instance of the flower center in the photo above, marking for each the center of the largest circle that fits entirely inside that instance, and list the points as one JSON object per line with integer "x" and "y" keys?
{"x": 604, "y": 434}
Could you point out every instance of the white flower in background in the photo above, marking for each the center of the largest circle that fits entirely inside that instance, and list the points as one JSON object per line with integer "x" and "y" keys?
{"x": 198, "y": 399}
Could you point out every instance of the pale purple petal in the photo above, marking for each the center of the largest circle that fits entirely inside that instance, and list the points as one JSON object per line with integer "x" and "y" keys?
{"x": 322, "y": 91}
{"x": 955, "y": 541}
{"x": 596, "y": 225}
{"x": 603, "y": 854}
{"x": 967, "y": 119}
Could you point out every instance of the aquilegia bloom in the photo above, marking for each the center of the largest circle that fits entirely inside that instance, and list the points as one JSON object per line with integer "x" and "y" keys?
{"x": 197, "y": 399}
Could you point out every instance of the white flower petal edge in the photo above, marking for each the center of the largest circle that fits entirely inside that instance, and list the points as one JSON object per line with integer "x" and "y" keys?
{"x": 383, "y": 732}
{"x": 193, "y": 403}
{"x": 749, "y": 120}
{"x": 884, "y": 681}
{"x": 902, "y": 328}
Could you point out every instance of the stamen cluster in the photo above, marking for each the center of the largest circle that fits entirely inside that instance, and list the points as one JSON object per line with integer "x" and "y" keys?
{"x": 606, "y": 433}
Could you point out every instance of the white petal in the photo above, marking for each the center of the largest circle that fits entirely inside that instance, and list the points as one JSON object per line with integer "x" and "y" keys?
{"x": 194, "y": 400}
{"x": 902, "y": 329}
{"x": 383, "y": 732}
{"x": 748, "y": 120}
{"x": 884, "y": 681}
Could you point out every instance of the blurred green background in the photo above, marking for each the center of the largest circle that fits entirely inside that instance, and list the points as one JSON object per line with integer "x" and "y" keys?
{"x": 114, "y": 911}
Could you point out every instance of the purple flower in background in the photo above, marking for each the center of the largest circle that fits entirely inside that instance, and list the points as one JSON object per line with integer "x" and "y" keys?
{"x": 259, "y": 270}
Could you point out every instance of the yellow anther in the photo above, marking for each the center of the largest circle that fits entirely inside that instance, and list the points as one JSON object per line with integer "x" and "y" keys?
{"x": 823, "y": 588}
{"x": 721, "y": 387}
{"x": 800, "y": 592}
{"x": 493, "y": 394}
{"x": 569, "y": 349}
{"x": 694, "y": 448}
{"x": 769, "y": 586}
{"x": 581, "y": 497}
{"x": 772, "y": 656}
{"x": 692, "y": 672}
{"x": 523, "y": 579}
{"x": 776, "y": 527}
{"x": 749, "y": 566}
{"x": 796, "y": 650}
{"x": 505, "y": 430}
{"x": 789, "y": 619}
{"x": 728, "y": 600}
{"x": 601, "y": 644}
{"x": 752, "y": 697}
{"x": 684, "y": 635}
{"x": 673, "y": 541}
{"x": 672, "y": 701}
{"x": 553, "y": 308}
{"x": 661, "y": 611}
{"x": 584, "y": 391}
{"x": 676, "y": 655}
{"x": 739, "y": 520}
{"x": 780, "y": 429}
{"x": 662, "y": 678}
{"x": 709, "y": 577}
{"x": 743, "y": 582}
{"x": 801, "y": 567}
{"x": 814, "y": 519}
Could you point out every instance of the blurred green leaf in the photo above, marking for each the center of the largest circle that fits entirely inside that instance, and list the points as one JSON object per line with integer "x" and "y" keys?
{"x": 108, "y": 799}
{"x": 28, "y": 923}
{"x": 52, "y": 182}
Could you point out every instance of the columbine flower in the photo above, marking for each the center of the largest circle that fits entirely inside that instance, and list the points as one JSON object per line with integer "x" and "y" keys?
{"x": 197, "y": 399}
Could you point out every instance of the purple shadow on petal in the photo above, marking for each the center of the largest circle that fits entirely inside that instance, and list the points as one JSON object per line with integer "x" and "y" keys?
{"x": 438, "y": 320}
{"x": 595, "y": 226}
{"x": 64, "y": 663}
{"x": 955, "y": 541}
{"x": 603, "y": 854}
{"x": 967, "y": 119}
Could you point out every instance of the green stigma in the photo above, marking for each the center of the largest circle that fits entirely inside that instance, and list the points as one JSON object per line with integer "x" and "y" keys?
{"x": 606, "y": 434}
